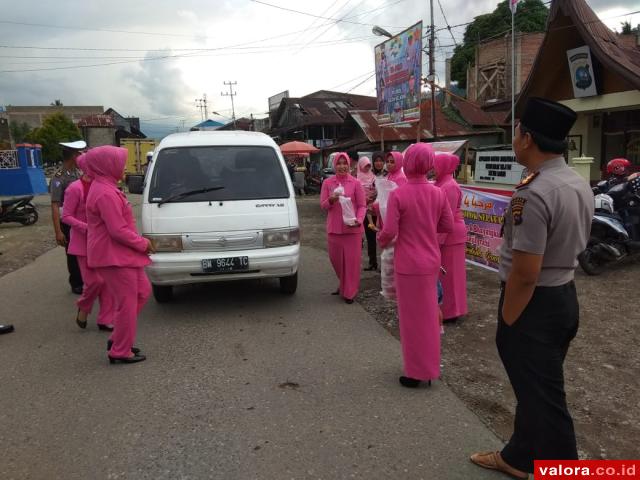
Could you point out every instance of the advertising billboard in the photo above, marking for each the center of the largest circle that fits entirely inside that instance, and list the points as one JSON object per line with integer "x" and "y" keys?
{"x": 398, "y": 77}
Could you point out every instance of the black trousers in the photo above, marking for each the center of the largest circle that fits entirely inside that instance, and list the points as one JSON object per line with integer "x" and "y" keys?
{"x": 371, "y": 244}
{"x": 75, "y": 277}
{"x": 532, "y": 351}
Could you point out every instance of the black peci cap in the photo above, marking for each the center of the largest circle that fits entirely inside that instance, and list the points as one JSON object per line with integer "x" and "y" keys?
{"x": 547, "y": 118}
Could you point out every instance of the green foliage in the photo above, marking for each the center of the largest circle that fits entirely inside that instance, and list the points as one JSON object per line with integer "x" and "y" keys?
{"x": 626, "y": 28}
{"x": 56, "y": 103}
{"x": 530, "y": 17}
{"x": 55, "y": 128}
{"x": 19, "y": 131}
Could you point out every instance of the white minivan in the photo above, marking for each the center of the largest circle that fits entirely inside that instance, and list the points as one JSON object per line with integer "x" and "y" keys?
{"x": 219, "y": 206}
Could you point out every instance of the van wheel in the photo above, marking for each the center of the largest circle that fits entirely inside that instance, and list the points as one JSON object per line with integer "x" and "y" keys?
{"x": 162, "y": 293}
{"x": 289, "y": 285}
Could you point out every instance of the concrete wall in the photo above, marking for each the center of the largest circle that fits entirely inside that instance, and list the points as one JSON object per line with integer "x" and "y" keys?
{"x": 98, "y": 136}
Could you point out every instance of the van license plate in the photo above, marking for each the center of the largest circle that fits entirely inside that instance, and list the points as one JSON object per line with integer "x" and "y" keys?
{"x": 230, "y": 264}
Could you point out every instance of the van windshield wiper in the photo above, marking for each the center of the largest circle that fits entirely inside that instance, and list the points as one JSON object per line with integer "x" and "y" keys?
{"x": 188, "y": 194}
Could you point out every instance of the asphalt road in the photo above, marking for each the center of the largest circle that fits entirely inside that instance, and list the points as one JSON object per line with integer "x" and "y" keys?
{"x": 240, "y": 383}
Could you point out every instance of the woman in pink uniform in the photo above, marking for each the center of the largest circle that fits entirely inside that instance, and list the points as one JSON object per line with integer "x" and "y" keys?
{"x": 367, "y": 179}
{"x": 416, "y": 213}
{"x": 115, "y": 248}
{"x": 345, "y": 244}
{"x": 394, "y": 163}
{"x": 75, "y": 215}
{"x": 452, "y": 245}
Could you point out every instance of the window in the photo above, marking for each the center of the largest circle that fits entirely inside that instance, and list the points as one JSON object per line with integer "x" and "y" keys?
{"x": 243, "y": 172}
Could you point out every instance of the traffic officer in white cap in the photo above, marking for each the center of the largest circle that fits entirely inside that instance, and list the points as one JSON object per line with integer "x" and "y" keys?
{"x": 546, "y": 226}
{"x": 61, "y": 179}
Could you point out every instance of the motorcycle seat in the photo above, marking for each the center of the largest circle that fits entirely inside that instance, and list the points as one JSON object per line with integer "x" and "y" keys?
{"x": 602, "y": 213}
{"x": 13, "y": 201}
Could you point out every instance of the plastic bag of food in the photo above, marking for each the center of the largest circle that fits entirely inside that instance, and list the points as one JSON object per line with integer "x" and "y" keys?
{"x": 383, "y": 188}
{"x": 387, "y": 279}
{"x": 348, "y": 212}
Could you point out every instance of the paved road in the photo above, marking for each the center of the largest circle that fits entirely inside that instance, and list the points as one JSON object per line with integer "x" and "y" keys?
{"x": 240, "y": 383}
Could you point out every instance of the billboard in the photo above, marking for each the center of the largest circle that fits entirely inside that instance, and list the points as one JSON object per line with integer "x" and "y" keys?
{"x": 274, "y": 102}
{"x": 582, "y": 75}
{"x": 483, "y": 216}
{"x": 398, "y": 77}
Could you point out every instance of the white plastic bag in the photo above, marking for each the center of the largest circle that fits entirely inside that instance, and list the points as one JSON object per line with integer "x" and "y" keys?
{"x": 384, "y": 187}
{"x": 387, "y": 279}
{"x": 348, "y": 212}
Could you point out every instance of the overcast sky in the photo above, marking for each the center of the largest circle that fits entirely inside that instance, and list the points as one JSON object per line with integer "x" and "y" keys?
{"x": 164, "y": 54}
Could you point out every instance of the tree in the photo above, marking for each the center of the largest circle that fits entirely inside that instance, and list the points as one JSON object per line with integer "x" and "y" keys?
{"x": 627, "y": 29}
{"x": 56, "y": 103}
{"x": 19, "y": 131}
{"x": 55, "y": 128}
{"x": 531, "y": 17}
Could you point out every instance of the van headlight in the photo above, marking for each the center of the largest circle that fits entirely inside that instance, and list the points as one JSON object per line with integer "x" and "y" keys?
{"x": 281, "y": 238}
{"x": 166, "y": 243}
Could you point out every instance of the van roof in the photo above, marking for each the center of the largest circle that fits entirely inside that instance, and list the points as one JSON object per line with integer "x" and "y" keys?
{"x": 209, "y": 138}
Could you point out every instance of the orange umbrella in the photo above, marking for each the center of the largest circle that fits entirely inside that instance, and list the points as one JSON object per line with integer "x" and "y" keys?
{"x": 297, "y": 147}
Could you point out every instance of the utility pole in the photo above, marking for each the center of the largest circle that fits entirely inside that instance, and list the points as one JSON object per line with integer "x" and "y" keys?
{"x": 432, "y": 74}
{"x": 231, "y": 94}
{"x": 201, "y": 103}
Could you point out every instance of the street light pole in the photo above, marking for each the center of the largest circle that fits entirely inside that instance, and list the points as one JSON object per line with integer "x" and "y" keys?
{"x": 432, "y": 74}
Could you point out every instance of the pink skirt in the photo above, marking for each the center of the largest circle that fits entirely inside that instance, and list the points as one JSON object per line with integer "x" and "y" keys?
{"x": 454, "y": 283}
{"x": 419, "y": 325}
{"x": 345, "y": 252}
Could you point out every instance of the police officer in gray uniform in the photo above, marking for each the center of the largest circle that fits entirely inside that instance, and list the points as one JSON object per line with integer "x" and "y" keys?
{"x": 545, "y": 227}
{"x": 64, "y": 177}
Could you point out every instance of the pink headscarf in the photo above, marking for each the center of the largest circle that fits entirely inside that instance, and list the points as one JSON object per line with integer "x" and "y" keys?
{"x": 445, "y": 165}
{"x": 106, "y": 163}
{"x": 418, "y": 160}
{"x": 337, "y": 158}
{"x": 397, "y": 174}
{"x": 366, "y": 179}
{"x": 81, "y": 161}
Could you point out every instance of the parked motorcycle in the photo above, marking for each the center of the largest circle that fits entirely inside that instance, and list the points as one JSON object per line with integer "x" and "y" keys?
{"x": 615, "y": 229}
{"x": 18, "y": 209}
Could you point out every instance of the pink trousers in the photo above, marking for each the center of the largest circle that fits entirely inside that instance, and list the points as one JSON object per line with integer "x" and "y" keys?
{"x": 454, "y": 283}
{"x": 94, "y": 287}
{"x": 419, "y": 326}
{"x": 130, "y": 288}
{"x": 345, "y": 252}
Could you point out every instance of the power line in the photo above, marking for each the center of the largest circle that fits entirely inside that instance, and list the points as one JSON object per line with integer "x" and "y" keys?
{"x": 342, "y": 19}
{"x": 362, "y": 82}
{"x": 352, "y": 80}
{"x": 446, "y": 22}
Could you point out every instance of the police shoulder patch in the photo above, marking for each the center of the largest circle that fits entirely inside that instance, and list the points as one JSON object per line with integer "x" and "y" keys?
{"x": 528, "y": 179}
{"x": 517, "y": 209}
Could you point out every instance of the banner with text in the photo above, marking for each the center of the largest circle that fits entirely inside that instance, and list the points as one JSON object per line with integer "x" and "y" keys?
{"x": 483, "y": 216}
{"x": 398, "y": 77}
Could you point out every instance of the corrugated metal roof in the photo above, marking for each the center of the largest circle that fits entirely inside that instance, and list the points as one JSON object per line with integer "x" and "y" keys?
{"x": 97, "y": 121}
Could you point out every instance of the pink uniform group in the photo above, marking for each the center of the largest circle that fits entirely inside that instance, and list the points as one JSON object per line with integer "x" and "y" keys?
{"x": 112, "y": 254}
{"x": 425, "y": 225}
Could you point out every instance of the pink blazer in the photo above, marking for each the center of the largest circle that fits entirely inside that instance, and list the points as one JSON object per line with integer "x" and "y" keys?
{"x": 74, "y": 214}
{"x": 416, "y": 213}
{"x": 454, "y": 196}
{"x": 352, "y": 189}
{"x": 112, "y": 240}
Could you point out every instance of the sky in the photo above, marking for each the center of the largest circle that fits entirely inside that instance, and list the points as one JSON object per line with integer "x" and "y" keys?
{"x": 153, "y": 59}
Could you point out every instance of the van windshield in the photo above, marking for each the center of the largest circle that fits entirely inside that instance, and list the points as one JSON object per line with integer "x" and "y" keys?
{"x": 223, "y": 173}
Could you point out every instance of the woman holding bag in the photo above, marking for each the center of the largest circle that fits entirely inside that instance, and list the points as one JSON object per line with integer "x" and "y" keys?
{"x": 416, "y": 213}
{"x": 115, "y": 248}
{"x": 343, "y": 198}
{"x": 452, "y": 245}
{"x": 367, "y": 179}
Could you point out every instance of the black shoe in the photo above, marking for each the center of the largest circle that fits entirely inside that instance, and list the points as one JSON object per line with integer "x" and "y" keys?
{"x": 77, "y": 290}
{"x": 348, "y": 300}
{"x": 134, "y": 350}
{"x": 133, "y": 359}
{"x": 79, "y": 322}
{"x": 337, "y": 292}
{"x": 106, "y": 328}
{"x": 411, "y": 382}
{"x": 6, "y": 329}
{"x": 450, "y": 320}
{"x": 371, "y": 268}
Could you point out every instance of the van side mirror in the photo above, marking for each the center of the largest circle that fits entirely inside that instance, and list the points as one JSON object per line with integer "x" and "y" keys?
{"x": 135, "y": 184}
